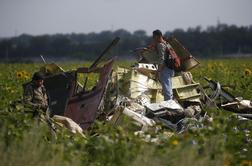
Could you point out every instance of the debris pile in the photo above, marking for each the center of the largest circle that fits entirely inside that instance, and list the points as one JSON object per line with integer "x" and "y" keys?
{"x": 136, "y": 93}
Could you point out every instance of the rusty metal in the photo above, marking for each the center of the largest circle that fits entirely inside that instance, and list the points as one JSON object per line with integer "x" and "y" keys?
{"x": 69, "y": 98}
{"x": 188, "y": 62}
{"x": 82, "y": 106}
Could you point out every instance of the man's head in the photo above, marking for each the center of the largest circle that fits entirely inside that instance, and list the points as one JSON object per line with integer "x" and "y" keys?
{"x": 157, "y": 35}
{"x": 38, "y": 79}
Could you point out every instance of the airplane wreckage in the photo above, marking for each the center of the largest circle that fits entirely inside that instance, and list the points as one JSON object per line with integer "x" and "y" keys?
{"x": 136, "y": 93}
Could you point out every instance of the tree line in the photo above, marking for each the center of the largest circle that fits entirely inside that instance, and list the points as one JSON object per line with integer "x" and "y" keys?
{"x": 214, "y": 41}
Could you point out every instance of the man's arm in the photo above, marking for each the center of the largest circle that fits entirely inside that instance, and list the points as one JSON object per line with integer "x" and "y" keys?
{"x": 161, "y": 50}
{"x": 27, "y": 98}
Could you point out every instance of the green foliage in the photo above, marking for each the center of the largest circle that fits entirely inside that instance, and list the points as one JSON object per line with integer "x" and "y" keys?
{"x": 27, "y": 141}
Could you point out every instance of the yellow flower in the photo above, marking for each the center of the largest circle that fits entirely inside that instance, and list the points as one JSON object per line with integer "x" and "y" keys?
{"x": 174, "y": 142}
{"x": 19, "y": 74}
{"x": 22, "y": 74}
{"x": 247, "y": 72}
{"x": 26, "y": 74}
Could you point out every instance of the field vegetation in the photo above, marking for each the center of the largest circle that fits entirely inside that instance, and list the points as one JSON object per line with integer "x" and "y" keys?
{"x": 225, "y": 141}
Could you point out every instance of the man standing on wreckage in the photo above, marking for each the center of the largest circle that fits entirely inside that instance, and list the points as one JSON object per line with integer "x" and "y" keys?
{"x": 166, "y": 63}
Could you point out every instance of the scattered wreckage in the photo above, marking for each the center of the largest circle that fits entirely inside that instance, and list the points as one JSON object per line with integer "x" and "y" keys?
{"x": 139, "y": 93}
{"x": 134, "y": 92}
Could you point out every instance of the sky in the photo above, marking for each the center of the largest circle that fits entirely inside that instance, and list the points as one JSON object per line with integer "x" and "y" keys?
{"x": 37, "y": 17}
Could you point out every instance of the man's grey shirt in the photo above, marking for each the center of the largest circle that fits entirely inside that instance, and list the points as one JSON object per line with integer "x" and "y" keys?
{"x": 161, "y": 51}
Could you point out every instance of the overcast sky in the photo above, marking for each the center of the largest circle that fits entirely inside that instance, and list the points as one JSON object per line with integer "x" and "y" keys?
{"x": 83, "y": 16}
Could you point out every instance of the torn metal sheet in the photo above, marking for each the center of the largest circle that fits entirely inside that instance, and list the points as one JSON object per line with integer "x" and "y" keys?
{"x": 219, "y": 91}
{"x": 69, "y": 98}
{"x": 82, "y": 106}
{"x": 188, "y": 62}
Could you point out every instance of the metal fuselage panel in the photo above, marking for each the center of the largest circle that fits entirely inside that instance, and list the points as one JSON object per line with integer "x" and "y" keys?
{"x": 83, "y": 106}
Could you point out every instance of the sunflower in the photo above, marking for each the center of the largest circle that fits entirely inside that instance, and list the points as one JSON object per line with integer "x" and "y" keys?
{"x": 19, "y": 74}
{"x": 247, "y": 72}
{"x": 22, "y": 74}
{"x": 26, "y": 75}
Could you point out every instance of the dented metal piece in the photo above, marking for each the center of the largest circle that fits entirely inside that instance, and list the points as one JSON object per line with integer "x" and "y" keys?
{"x": 68, "y": 98}
{"x": 82, "y": 106}
{"x": 219, "y": 91}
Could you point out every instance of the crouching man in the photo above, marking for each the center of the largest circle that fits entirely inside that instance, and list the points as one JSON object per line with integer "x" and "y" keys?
{"x": 35, "y": 95}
